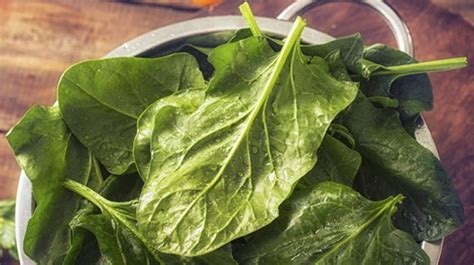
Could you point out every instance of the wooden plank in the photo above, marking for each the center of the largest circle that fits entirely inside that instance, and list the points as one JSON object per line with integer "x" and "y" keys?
{"x": 462, "y": 7}
{"x": 9, "y": 171}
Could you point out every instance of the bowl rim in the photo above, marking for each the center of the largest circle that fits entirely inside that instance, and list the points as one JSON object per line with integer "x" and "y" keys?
{"x": 182, "y": 30}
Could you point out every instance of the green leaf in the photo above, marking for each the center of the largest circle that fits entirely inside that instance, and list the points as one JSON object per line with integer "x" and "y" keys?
{"x": 350, "y": 48}
{"x": 336, "y": 162}
{"x": 413, "y": 92}
{"x": 101, "y": 100}
{"x": 49, "y": 154}
{"x": 399, "y": 164}
{"x": 395, "y": 74}
{"x": 122, "y": 213}
{"x": 384, "y": 102}
{"x": 82, "y": 239}
{"x": 209, "y": 41}
{"x": 117, "y": 244}
{"x": 332, "y": 224}
{"x": 123, "y": 188}
{"x": 336, "y": 66}
{"x": 148, "y": 123}
{"x": 116, "y": 227}
{"x": 7, "y": 228}
{"x": 220, "y": 171}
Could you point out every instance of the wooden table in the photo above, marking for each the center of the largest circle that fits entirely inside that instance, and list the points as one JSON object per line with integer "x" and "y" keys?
{"x": 39, "y": 39}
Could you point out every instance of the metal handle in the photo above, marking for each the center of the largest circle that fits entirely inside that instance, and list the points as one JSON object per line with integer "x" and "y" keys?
{"x": 393, "y": 19}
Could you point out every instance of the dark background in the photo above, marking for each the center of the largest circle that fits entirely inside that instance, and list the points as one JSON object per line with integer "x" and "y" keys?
{"x": 39, "y": 39}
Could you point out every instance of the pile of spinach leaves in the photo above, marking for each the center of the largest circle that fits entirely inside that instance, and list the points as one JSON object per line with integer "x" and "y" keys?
{"x": 278, "y": 152}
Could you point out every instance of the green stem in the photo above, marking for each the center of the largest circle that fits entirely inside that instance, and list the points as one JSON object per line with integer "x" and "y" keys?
{"x": 85, "y": 192}
{"x": 424, "y": 67}
{"x": 105, "y": 206}
{"x": 247, "y": 13}
{"x": 97, "y": 170}
{"x": 294, "y": 37}
{"x": 335, "y": 128}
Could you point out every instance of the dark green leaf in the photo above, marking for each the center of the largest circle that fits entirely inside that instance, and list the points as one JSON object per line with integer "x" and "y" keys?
{"x": 336, "y": 162}
{"x": 336, "y": 66}
{"x": 332, "y": 224}
{"x": 101, "y": 100}
{"x": 200, "y": 53}
{"x": 350, "y": 48}
{"x": 49, "y": 154}
{"x": 413, "y": 92}
{"x": 399, "y": 164}
{"x": 81, "y": 238}
{"x": 7, "y": 228}
{"x": 212, "y": 40}
{"x": 122, "y": 188}
{"x": 119, "y": 213}
{"x": 123, "y": 231}
{"x": 117, "y": 244}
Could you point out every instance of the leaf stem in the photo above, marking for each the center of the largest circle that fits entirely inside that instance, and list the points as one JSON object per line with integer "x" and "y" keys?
{"x": 85, "y": 192}
{"x": 424, "y": 67}
{"x": 104, "y": 205}
{"x": 335, "y": 128}
{"x": 293, "y": 38}
{"x": 247, "y": 13}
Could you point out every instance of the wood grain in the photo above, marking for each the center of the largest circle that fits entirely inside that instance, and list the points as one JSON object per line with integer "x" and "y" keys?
{"x": 462, "y": 7}
{"x": 39, "y": 39}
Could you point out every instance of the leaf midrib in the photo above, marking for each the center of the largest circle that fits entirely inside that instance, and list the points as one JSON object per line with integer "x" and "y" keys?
{"x": 98, "y": 100}
{"x": 386, "y": 207}
{"x": 105, "y": 206}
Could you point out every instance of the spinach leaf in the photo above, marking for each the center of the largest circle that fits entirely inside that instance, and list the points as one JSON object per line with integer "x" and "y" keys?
{"x": 200, "y": 53}
{"x": 49, "y": 154}
{"x": 399, "y": 164}
{"x": 121, "y": 188}
{"x": 148, "y": 123}
{"x": 413, "y": 92}
{"x": 211, "y": 40}
{"x": 350, "y": 48}
{"x": 120, "y": 213}
{"x": 83, "y": 247}
{"x": 217, "y": 257}
{"x": 123, "y": 232}
{"x": 81, "y": 237}
{"x": 336, "y": 66}
{"x": 101, "y": 100}
{"x": 332, "y": 224}
{"x": 336, "y": 162}
{"x": 117, "y": 245}
{"x": 7, "y": 228}
{"x": 221, "y": 170}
